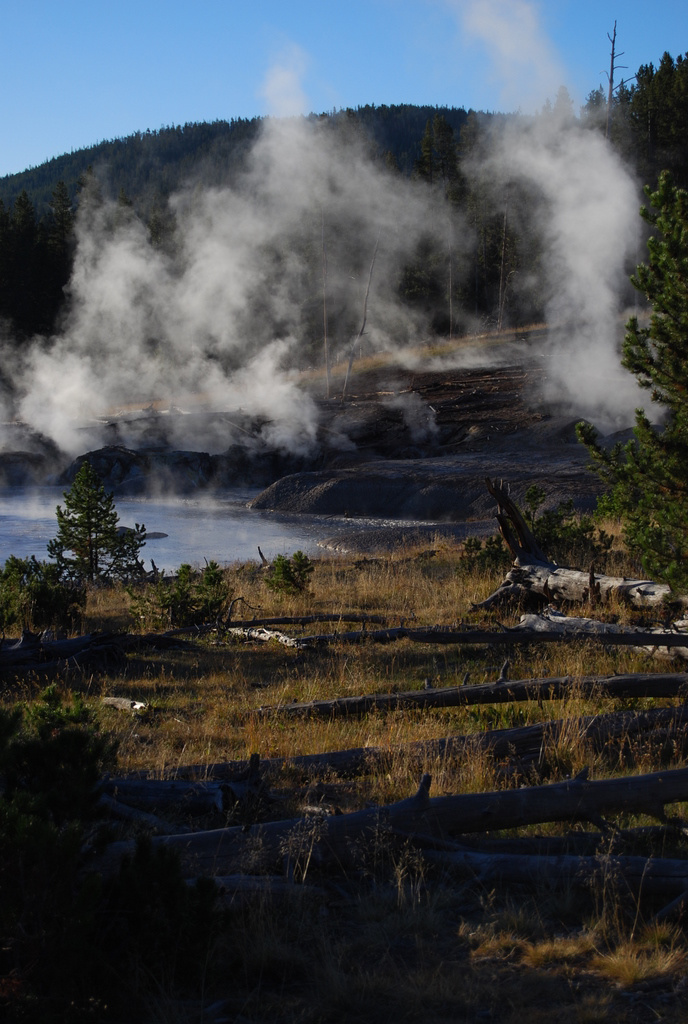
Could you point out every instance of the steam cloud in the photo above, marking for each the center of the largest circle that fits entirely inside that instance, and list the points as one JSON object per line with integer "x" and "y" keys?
{"x": 220, "y": 319}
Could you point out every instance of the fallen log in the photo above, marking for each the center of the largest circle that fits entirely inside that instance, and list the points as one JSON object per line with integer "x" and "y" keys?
{"x": 194, "y": 798}
{"x": 114, "y": 809}
{"x": 536, "y": 580}
{"x": 445, "y": 636}
{"x": 189, "y": 797}
{"x": 235, "y": 889}
{"x": 552, "y": 584}
{"x": 647, "y": 876}
{"x": 629, "y": 686}
{"x": 569, "y": 625}
{"x": 263, "y": 635}
{"x": 103, "y": 651}
{"x": 336, "y": 839}
{"x": 516, "y": 746}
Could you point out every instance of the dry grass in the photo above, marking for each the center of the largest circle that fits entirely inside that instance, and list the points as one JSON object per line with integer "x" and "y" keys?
{"x": 394, "y": 941}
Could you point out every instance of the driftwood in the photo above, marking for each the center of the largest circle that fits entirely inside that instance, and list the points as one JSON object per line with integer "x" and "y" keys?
{"x": 536, "y": 580}
{"x": 557, "y": 688}
{"x": 339, "y": 838}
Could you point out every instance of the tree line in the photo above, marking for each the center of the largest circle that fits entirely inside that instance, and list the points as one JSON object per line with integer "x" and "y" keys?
{"x": 436, "y": 146}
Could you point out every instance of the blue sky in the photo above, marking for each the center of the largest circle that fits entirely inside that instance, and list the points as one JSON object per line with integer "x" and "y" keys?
{"x": 77, "y": 72}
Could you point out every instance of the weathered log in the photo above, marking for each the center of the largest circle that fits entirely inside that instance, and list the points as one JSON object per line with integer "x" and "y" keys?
{"x": 123, "y": 812}
{"x": 124, "y": 704}
{"x": 306, "y": 620}
{"x": 312, "y": 840}
{"x": 512, "y": 746}
{"x": 446, "y": 637}
{"x": 234, "y": 889}
{"x": 547, "y": 584}
{"x": 647, "y": 876}
{"x": 45, "y": 656}
{"x": 264, "y": 635}
{"x": 192, "y": 798}
{"x": 557, "y": 688}
{"x": 569, "y": 625}
{"x": 535, "y": 579}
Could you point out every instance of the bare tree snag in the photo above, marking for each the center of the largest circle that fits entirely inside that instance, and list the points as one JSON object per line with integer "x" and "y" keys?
{"x": 358, "y": 337}
{"x": 517, "y": 535}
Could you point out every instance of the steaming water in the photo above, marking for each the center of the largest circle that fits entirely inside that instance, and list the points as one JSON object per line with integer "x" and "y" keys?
{"x": 219, "y": 528}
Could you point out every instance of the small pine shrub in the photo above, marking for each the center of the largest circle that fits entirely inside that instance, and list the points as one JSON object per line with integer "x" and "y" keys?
{"x": 76, "y": 946}
{"x": 33, "y": 596}
{"x": 566, "y": 537}
{"x": 489, "y": 555}
{"x": 290, "y": 575}
{"x": 192, "y": 598}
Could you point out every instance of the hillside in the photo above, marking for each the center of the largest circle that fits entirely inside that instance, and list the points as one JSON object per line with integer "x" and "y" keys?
{"x": 150, "y": 165}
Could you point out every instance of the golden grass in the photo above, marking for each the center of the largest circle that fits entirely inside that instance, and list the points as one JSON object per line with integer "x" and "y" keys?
{"x": 395, "y": 941}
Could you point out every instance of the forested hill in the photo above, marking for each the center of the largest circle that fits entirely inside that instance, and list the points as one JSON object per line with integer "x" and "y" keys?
{"x": 475, "y": 252}
{"x": 148, "y": 166}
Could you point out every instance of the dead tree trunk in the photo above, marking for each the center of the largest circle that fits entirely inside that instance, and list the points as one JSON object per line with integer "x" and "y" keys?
{"x": 657, "y": 876}
{"x": 358, "y": 337}
{"x": 522, "y": 746}
{"x": 558, "y": 688}
{"x": 536, "y": 580}
{"x": 330, "y": 839}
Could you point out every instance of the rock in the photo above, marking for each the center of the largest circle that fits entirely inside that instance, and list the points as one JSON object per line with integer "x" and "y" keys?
{"x": 157, "y": 470}
{"x": 444, "y": 489}
{"x": 24, "y": 469}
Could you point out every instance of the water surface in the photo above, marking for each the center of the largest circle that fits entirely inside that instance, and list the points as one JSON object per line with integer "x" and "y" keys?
{"x": 220, "y": 527}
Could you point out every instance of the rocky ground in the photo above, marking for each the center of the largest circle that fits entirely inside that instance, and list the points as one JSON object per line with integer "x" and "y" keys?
{"x": 406, "y": 444}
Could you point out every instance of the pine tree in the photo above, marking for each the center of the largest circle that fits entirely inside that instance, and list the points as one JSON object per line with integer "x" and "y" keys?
{"x": 649, "y": 475}
{"x": 87, "y": 528}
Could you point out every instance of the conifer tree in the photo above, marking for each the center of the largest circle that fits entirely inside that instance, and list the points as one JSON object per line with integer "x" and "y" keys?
{"x": 649, "y": 475}
{"x": 89, "y": 545}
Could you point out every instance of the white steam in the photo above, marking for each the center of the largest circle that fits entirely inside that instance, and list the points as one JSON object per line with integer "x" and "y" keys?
{"x": 522, "y": 58}
{"x": 588, "y": 212}
{"x": 218, "y": 320}
{"x": 222, "y": 318}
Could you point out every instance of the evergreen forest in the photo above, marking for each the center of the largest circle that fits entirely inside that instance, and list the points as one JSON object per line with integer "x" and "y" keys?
{"x": 436, "y": 148}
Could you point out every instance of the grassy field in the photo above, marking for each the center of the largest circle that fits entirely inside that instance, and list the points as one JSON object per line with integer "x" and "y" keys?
{"x": 395, "y": 937}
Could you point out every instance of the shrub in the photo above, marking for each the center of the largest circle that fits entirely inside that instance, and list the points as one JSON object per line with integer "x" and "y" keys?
{"x": 290, "y": 575}
{"x": 564, "y": 535}
{"x": 192, "y": 598}
{"x": 33, "y": 596}
{"x": 489, "y": 555}
{"x": 77, "y": 947}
